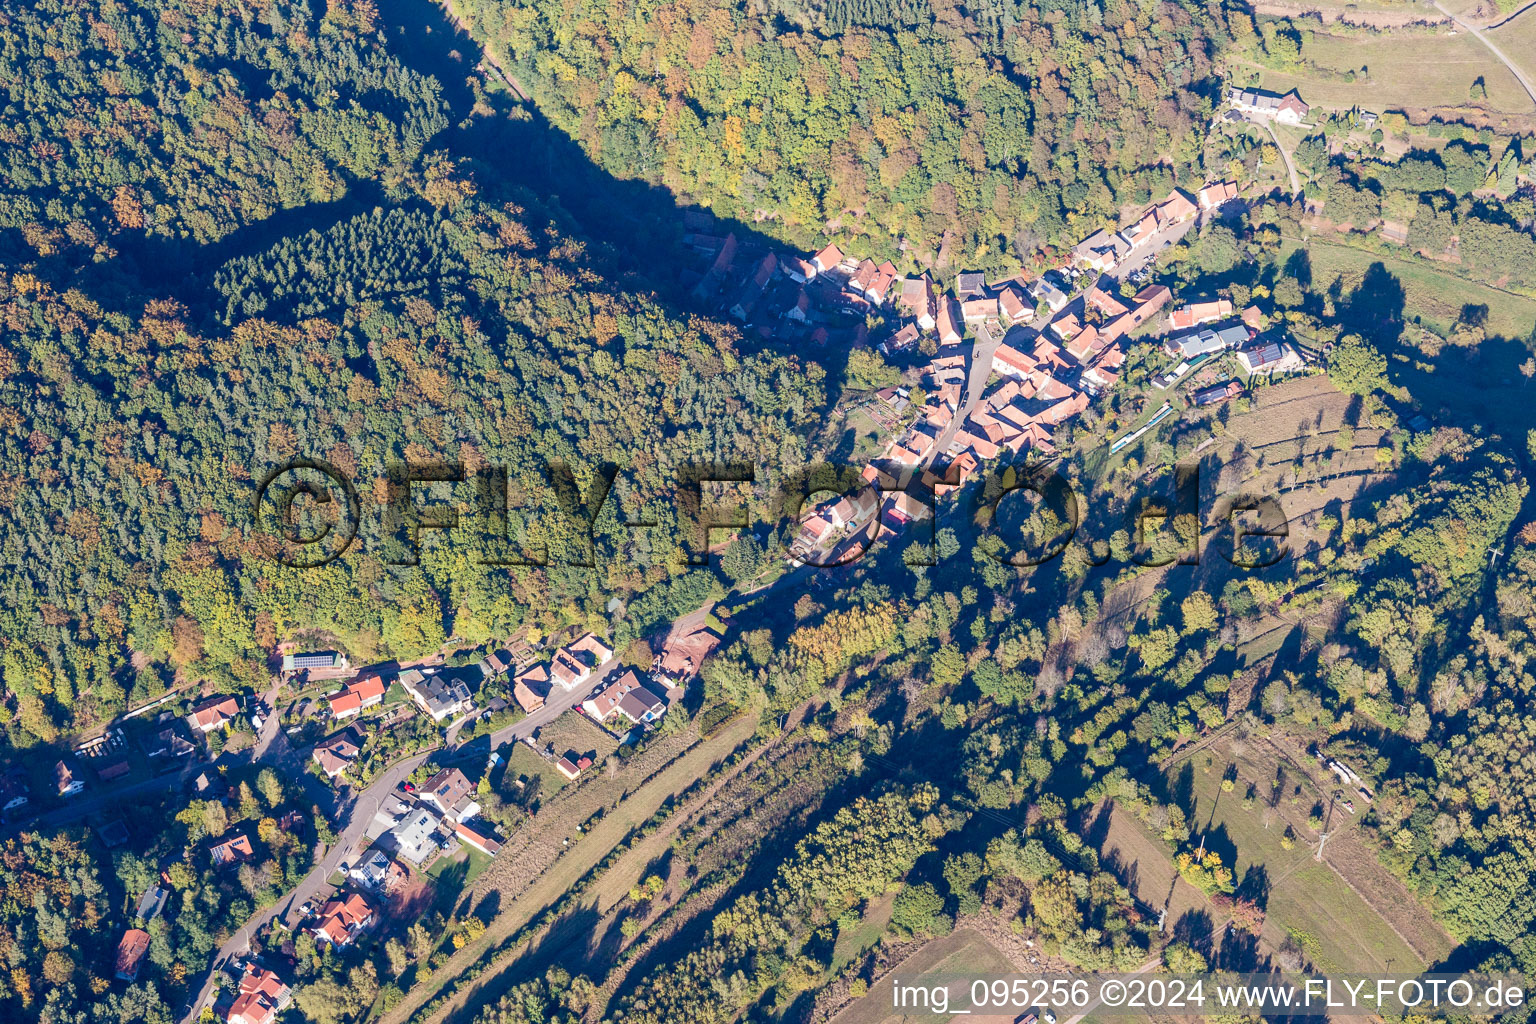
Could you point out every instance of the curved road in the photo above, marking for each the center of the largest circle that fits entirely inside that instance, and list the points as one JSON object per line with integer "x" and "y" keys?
{"x": 1520, "y": 76}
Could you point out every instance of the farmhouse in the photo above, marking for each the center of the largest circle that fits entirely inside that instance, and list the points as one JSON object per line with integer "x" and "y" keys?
{"x": 1287, "y": 109}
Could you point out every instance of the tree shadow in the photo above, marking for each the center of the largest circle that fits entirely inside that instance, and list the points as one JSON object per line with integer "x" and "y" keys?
{"x": 1254, "y": 887}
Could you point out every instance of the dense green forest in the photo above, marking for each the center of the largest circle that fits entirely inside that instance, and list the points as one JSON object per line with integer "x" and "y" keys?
{"x": 466, "y": 324}
{"x": 170, "y": 338}
{"x": 180, "y": 120}
{"x": 1004, "y": 124}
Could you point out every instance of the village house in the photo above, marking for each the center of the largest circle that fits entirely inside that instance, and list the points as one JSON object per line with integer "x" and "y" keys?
{"x": 917, "y": 300}
{"x": 828, "y": 258}
{"x": 352, "y": 700}
{"x": 234, "y": 850}
{"x": 441, "y": 694}
{"x": 1008, "y": 361}
{"x": 213, "y": 713}
{"x": 1105, "y": 304}
{"x": 975, "y": 310}
{"x": 260, "y": 997}
{"x": 131, "y": 950}
{"x": 1287, "y": 109}
{"x": 949, "y": 321}
{"x": 752, "y": 289}
{"x": 1042, "y": 290}
{"x": 530, "y": 687}
{"x": 1215, "y": 196}
{"x": 65, "y": 780}
{"x": 725, "y": 258}
{"x": 1178, "y": 208}
{"x": 574, "y": 663}
{"x": 1199, "y": 313}
{"x": 1011, "y": 305}
{"x": 378, "y": 874}
{"x": 450, "y": 792}
{"x": 626, "y": 697}
{"x": 901, "y": 340}
{"x": 797, "y": 269}
{"x": 167, "y": 741}
{"x": 1102, "y": 250}
{"x": 335, "y": 754}
{"x": 970, "y": 285}
{"x": 682, "y": 655}
{"x": 341, "y": 920}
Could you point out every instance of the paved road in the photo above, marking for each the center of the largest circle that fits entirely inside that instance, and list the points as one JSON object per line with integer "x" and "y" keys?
{"x": 1525, "y": 83}
{"x": 356, "y": 810}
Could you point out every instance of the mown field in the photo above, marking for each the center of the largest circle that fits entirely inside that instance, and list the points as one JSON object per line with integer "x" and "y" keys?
{"x": 1308, "y": 903}
{"x": 1517, "y": 40}
{"x": 964, "y": 952}
{"x": 1432, "y": 295}
{"x": 1416, "y": 70}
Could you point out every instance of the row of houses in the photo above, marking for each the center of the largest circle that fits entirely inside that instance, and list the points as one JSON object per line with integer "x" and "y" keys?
{"x": 1255, "y": 353}
{"x": 821, "y": 298}
{"x": 1104, "y": 250}
{"x": 437, "y": 818}
{"x": 570, "y": 667}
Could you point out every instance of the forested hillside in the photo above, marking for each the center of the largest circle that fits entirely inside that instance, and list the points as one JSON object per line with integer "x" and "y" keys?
{"x": 467, "y": 324}
{"x": 1001, "y": 123}
{"x": 177, "y": 119}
